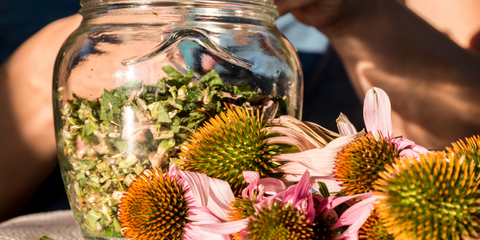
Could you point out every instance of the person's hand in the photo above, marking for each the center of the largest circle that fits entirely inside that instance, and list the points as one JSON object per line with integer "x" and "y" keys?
{"x": 27, "y": 140}
{"x": 321, "y": 14}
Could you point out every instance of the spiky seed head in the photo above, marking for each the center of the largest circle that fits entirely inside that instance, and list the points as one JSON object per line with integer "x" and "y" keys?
{"x": 470, "y": 148}
{"x": 278, "y": 222}
{"x": 241, "y": 208}
{"x": 374, "y": 229}
{"x": 228, "y": 144}
{"x": 357, "y": 165}
{"x": 153, "y": 207}
{"x": 435, "y": 197}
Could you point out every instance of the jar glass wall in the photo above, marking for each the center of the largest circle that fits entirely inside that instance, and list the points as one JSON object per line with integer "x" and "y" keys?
{"x": 138, "y": 77}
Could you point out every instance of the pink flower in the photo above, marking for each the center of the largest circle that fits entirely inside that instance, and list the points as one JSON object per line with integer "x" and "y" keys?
{"x": 286, "y": 209}
{"x": 192, "y": 199}
{"x": 377, "y": 117}
{"x": 297, "y": 206}
{"x": 319, "y": 148}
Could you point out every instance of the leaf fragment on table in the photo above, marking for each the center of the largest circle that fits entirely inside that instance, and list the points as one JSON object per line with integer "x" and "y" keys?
{"x": 43, "y": 237}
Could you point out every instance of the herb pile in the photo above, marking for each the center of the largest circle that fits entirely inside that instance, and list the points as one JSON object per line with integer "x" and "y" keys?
{"x": 108, "y": 142}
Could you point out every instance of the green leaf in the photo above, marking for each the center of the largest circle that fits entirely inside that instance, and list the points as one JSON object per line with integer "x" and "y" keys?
{"x": 90, "y": 127}
{"x": 121, "y": 145}
{"x": 211, "y": 79}
{"x": 173, "y": 73}
{"x": 92, "y": 219}
{"x": 162, "y": 115}
{"x": 43, "y": 237}
{"x": 167, "y": 144}
{"x": 244, "y": 87}
{"x": 323, "y": 189}
{"x": 154, "y": 109}
{"x": 188, "y": 77}
{"x": 107, "y": 113}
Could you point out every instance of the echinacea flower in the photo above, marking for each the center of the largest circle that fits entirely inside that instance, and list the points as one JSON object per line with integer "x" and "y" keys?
{"x": 470, "y": 148}
{"x": 357, "y": 165}
{"x": 174, "y": 205}
{"x": 228, "y": 144}
{"x": 319, "y": 148}
{"x": 433, "y": 197}
{"x": 296, "y": 213}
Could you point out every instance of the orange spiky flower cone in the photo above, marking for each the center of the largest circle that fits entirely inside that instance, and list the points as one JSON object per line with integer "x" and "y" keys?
{"x": 433, "y": 197}
{"x": 230, "y": 143}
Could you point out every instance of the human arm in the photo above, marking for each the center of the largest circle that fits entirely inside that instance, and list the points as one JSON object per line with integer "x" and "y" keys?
{"x": 27, "y": 143}
{"x": 433, "y": 83}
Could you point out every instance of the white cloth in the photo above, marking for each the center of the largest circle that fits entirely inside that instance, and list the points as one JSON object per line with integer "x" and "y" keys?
{"x": 59, "y": 225}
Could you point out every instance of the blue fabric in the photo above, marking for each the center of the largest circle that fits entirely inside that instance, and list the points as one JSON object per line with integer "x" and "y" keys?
{"x": 328, "y": 91}
{"x": 20, "y": 20}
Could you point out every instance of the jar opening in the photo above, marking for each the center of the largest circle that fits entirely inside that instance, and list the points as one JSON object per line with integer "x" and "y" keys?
{"x": 91, "y": 3}
{"x": 196, "y": 10}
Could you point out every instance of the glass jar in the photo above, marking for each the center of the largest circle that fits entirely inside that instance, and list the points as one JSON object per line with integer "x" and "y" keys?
{"x": 139, "y": 76}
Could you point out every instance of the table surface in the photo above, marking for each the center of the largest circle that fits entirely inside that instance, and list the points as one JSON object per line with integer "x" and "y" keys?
{"x": 59, "y": 225}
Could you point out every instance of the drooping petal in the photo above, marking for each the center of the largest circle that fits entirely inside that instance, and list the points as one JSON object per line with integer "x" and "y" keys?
{"x": 311, "y": 132}
{"x": 219, "y": 198}
{"x": 225, "y": 227}
{"x": 333, "y": 185}
{"x": 304, "y": 142}
{"x": 345, "y": 127}
{"x": 357, "y": 214}
{"x": 377, "y": 112}
{"x": 332, "y": 202}
{"x": 199, "y": 184}
{"x": 302, "y": 145}
{"x": 319, "y": 162}
{"x": 252, "y": 178}
{"x": 408, "y": 147}
{"x": 272, "y": 185}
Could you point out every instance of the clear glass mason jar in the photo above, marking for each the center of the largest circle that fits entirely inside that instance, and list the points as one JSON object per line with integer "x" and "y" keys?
{"x": 138, "y": 76}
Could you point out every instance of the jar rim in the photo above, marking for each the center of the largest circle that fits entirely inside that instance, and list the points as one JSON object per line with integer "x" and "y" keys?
{"x": 90, "y": 3}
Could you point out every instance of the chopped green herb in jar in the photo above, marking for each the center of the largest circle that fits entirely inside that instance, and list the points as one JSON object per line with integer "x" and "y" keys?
{"x": 108, "y": 142}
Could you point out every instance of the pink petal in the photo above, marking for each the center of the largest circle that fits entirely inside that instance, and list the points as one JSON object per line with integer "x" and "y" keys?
{"x": 199, "y": 185}
{"x": 252, "y": 178}
{"x": 272, "y": 185}
{"x": 191, "y": 232}
{"x": 307, "y": 130}
{"x": 300, "y": 197}
{"x": 345, "y": 127}
{"x": 302, "y": 189}
{"x": 332, "y": 184}
{"x": 331, "y": 202}
{"x": 225, "y": 227}
{"x": 304, "y": 141}
{"x": 270, "y": 109}
{"x": 201, "y": 214}
{"x": 355, "y": 216}
{"x": 319, "y": 162}
{"x": 289, "y": 140}
{"x": 408, "y": 147}
{"x": 377, "y": 112}
{"x": 219, "y": 198}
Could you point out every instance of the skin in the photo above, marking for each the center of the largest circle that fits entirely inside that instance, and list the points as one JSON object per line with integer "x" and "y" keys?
{"x": 27, "y": 142}
{"x": 431, "y": 79}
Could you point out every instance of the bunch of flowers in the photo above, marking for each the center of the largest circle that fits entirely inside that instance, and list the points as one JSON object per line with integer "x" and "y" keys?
{"x": 244, "y": 176}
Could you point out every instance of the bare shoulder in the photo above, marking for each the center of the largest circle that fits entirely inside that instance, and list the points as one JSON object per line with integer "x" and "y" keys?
{"x": 459, "y": 19}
